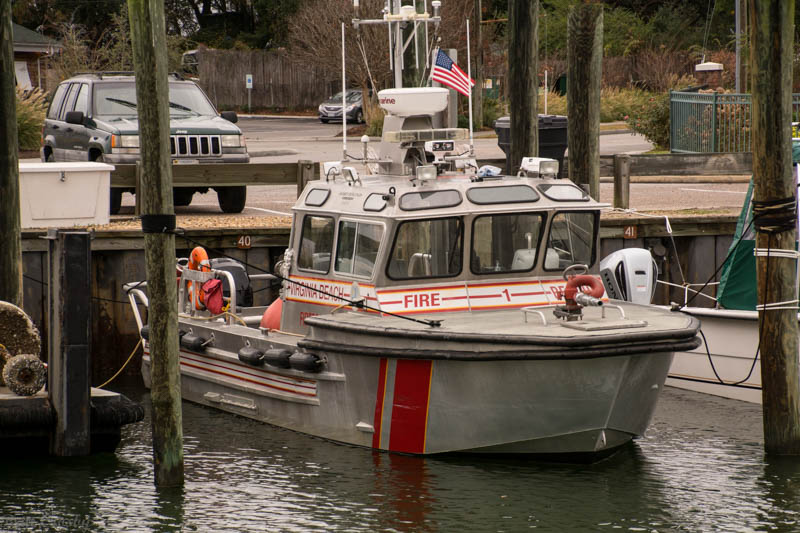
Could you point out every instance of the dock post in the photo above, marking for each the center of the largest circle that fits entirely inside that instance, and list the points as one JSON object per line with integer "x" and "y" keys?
{"x": 622, "y": 181}
{"x": 10, "y": 236}
{"x": 584, "y": 64}
{"x": 69, "y": 345}
{"x": 523, "y": 82}
{"x": 149, "y": 43}
{"x": 305, "y": 173}
{"x": 772, "y": 23}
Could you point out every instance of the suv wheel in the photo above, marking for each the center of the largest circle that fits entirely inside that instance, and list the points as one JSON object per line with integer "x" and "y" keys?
{"x": 182, "y": 196}
{"x": 360, "y": 118}
{"x": 231, "y": 199}
{"x": 115, "y": 194}
{"x": 323, "y": 120}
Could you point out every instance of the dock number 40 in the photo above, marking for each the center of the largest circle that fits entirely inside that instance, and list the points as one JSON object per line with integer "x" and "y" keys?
{"x": 243, "y": 242}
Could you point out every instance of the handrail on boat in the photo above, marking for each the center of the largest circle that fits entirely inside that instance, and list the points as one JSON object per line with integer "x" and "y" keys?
{"x": 135, "y": 294}
{"x": 688, "y": 287}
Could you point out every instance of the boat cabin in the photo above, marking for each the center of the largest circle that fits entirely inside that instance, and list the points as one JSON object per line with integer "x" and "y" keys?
{"x": 448, "y": 243}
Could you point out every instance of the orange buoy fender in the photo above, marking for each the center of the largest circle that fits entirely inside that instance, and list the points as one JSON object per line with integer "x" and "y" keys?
{"x": 271, "y": 319}
{"x": 198, "y": 260}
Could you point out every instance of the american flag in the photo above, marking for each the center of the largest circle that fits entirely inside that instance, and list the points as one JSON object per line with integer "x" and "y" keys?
{"x": 448, "y": 73}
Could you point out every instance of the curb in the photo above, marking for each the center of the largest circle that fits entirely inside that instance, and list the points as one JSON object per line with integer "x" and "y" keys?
{"x": 268, "y": 153}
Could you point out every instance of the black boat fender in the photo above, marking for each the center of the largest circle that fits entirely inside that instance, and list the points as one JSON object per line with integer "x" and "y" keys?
{"x": 277, "y": 357}
{"x": 251, "y": 356}
{"x": 193, "y": 342}
{"x": 307, "y": 362}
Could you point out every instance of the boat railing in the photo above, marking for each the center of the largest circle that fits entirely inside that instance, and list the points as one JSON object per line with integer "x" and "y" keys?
{"x": 135, "y": 297}
{"x": 187, "y": 294}
{"x": 687, "y": 288}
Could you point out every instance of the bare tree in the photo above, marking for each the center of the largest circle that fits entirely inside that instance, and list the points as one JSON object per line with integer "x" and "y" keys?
{"x": 315, "y": 39}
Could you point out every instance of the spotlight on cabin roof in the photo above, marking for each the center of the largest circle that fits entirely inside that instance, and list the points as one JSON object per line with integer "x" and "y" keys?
{"x": 708, "y": 66}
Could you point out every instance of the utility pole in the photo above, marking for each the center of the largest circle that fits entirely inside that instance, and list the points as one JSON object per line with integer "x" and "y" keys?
{"x": 772, "y": 37}
{"x": 11, "y": 249}
{"x": 477, "y": 97}
{"x": 148, "y": 39}
{"x": 584, "y": 72}
{"x": 523, "y": 84}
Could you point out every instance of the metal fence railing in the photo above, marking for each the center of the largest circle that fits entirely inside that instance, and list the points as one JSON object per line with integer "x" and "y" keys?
{"x": 716, "y": 122}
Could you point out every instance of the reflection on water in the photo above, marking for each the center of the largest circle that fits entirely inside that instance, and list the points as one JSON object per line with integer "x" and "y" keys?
{"x": 700, "y": 468}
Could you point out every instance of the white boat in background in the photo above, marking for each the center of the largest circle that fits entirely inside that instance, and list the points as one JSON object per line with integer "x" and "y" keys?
{"x": 728, "y": 362}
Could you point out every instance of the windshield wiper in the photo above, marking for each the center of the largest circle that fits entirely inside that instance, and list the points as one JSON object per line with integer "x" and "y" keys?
{"x": 183, "y": 108}
{"x": 123, "y": 102}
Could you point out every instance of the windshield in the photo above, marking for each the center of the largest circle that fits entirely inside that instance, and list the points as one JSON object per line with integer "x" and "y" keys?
{"x": 119, "y": 99}
{"x": 572, "y": 239}
{"x": 352, "y": 96}
{"x": 427, "y": 249}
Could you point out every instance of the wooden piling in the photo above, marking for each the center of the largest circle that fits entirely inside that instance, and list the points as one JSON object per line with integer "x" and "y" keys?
{"x": 11, "y": 249}
{"x": 523, "y": 84}
{"x": 68, "y": 382}
{"x": 622, "y": 181}
{"x": 148, "y": 39}
{"x": 305, "y": 173}
{"x": 771, "y": 37}
{"x": 477, "y": 96}
{"x": 584, "y": 67}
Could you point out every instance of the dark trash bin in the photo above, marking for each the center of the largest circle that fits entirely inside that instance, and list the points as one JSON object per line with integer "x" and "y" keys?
{"x": 552, "y": 137}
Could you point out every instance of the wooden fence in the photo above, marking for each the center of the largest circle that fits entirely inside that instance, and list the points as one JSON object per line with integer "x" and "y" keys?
{"x": 278, "y": 83}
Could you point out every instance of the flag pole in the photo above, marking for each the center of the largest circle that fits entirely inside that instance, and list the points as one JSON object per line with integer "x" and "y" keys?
{"x": 469, "y": 76}
{"x": 344, "y": 98}
{"x": 434, "y": 55}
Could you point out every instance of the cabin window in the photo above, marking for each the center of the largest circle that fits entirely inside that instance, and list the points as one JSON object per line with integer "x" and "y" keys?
{"x": 427, "y": 249}
{"x": 357, "y": 247}
{"x": 564, "y": 193}
{"x": 505, "y": 243}
{"x": 317, "y": 197}
{"x": 316, "y": 243}
{"x": 416, "y": 201}
{"x": 572, "y": 240}
{"x": 507, "y": 194}
{"x": 375, "y": 202}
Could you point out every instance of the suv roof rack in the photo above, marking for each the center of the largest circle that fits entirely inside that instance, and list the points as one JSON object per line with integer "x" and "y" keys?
{"x": 113, "y": 73}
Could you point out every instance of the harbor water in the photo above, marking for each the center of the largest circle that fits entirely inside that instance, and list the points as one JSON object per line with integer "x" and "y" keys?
{"x": 700, "y": 467}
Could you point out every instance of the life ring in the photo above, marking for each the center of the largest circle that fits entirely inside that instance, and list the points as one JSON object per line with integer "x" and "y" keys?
{"x": 578, "y": 283}
{"x": 25, "y": 374}
{"x": 198, "y": 260}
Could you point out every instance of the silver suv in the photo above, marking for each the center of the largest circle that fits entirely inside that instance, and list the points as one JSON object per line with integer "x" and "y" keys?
{"x": 93, "y": 117}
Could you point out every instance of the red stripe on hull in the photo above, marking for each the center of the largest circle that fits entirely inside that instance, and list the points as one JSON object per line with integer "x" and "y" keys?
{"x": 412, "y": 385}
{"x": 376, "y": 422}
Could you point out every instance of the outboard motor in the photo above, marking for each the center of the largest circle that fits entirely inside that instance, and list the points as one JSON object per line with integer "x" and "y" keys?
{"x": 630, "y": 274}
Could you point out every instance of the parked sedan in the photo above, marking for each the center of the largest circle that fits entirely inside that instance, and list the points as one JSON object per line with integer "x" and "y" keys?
{"x": 331, "y": 109}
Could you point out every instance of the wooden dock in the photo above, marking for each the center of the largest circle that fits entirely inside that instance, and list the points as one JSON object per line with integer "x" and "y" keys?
{"x": 28, "y": 422}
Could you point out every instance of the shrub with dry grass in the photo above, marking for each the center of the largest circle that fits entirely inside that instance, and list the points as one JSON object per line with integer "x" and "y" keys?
{"x": 615, "y": 104}
{"x": 31, "y": 107}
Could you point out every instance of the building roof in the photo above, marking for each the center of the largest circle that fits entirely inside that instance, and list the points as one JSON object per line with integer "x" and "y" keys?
{"x": 25, "y": 40}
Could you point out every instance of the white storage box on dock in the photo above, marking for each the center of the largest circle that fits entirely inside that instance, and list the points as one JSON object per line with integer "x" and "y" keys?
{"x": 64, "y": 194}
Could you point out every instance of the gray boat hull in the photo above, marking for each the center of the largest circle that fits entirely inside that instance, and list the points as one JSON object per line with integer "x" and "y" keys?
{"x": 429, "y": 405}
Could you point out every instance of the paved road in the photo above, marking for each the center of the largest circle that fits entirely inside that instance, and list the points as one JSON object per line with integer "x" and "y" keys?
{"x": 307, "y": 138}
